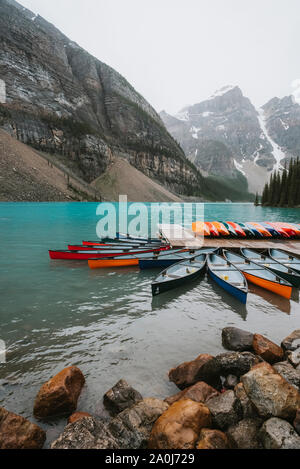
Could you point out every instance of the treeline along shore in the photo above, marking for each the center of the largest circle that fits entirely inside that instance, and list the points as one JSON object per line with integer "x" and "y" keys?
{"x": 283, "y": 190}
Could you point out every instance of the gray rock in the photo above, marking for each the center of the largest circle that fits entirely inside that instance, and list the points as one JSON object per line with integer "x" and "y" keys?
{"x": 120, "y": 397}
{"x": 288, "y": 372}
{"x": 296, "y": 422}
{"x": 279, "y": 434}
{"x": 294, "y": 357}
{"x": 226, "y": 410}
{"x": 236, "y": 339}
{"x": 292, "y": 341}
{"x": 244, "y": 434}
{"x": 129, "y": 430}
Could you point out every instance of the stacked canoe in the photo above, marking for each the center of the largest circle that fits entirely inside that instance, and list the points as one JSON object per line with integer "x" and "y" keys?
{"x": 218, "y": 229}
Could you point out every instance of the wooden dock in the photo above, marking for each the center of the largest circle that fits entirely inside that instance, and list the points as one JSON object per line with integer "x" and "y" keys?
{"x": 179, "y": 237}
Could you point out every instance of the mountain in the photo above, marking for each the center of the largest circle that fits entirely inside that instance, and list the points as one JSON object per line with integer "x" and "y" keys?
{"x": 226, "y": 133}
{"x": 59, "y": 99}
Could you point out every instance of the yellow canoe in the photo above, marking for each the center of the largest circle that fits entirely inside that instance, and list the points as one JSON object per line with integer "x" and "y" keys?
{"x": 201, "y": 228}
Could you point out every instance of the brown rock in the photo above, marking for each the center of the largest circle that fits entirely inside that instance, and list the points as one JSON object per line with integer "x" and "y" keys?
{"x": 60, "y": 394}
{"x": 189, "y": 373}
{"x": 213, "y": 439}
{"x": 244, "y": 434}
{"x": 120, "y": 397}
{"x": 270, "y": 393}
{"x": 180, "y": 425}
{"x": 266, "y": 349}
{"x": 200, "y": 392}
{"x": 16, "y": 432}
{"x": 77, "y": 416}
{"x": 247, "y": 406}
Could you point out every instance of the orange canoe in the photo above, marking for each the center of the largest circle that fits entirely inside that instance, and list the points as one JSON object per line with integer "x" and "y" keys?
{"x": 212, "y": 229}
{"x": 221, "y": 228}
{"x": 282, "y": 290}
{"x": 261, "y": 229}
{"x": 200, "y": 228}
{"x": 104, "y": 263}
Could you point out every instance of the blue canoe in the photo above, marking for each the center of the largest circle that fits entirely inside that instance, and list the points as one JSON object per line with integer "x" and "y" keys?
{"x": 227, "y": 276}
{"x": 167, "y": 258}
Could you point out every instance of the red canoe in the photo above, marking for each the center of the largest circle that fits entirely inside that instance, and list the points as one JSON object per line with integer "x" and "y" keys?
{"x": 96, "y": 254}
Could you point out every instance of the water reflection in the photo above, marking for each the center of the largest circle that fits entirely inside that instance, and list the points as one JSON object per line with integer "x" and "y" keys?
{"x": 283, "y": 304}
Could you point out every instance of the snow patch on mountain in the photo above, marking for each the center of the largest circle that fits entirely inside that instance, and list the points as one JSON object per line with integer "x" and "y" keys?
{"x": 278, "y": 154}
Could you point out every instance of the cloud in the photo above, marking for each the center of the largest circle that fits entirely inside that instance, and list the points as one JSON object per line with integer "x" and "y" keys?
{"x": 296, "y": 87}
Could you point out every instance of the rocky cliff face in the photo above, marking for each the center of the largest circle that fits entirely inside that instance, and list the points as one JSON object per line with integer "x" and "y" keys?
{"x": 221, "y": 133}
{"x": 283, "y": 124}
{"x": 59, "y": 99}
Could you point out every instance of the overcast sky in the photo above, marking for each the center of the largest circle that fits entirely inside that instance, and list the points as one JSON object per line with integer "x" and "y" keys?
{"x": 178, "y": 52}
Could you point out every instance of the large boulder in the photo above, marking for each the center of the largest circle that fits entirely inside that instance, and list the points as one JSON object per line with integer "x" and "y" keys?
{"x": 213, "y": 439}
{"x": 244, "y": 434}
{"x": 189, "y": 373}
{"x": 129, "y": 430}
{"x": 292, "y": 341}
{"x": 266, "y": 349}
{"x": 60, "y": 394}
{"x": 294, "y": 357}
{"x": 270, "y": 393}
{"x": 200, "y": 392}
{"x": 120, "y": 397}
{"x": 288, "y": 372}
{"x": 16, "y": 432}
{"x": 249, "y": 411}
{"x": 180, "y": 425}
{"x": 229, "y": 363}
{"x": 237, "y": 340}
{"x": 226, "y": 410}
{"x": 279, "y": 434}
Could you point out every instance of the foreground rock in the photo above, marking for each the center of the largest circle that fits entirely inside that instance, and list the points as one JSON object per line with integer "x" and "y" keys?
{"x": 120, "y": 397}
{"x": 180, "y": 425}
{"x": 200, "y": 392}
{"x": 129, "y": 430}
{"x": 77, "y": 416}
{"x": 226, "y": 410}
{"x": 270, "y": 393}
{"x": 16, "y": 432}
{"x": 294, "y": 357}
{"x": 189, "y": 373}
{"x": 288, "y": 372}
{"x": 296, "y": 422}
{"x": 213, "y": 439}
{"x": 292, "y": 341}
{"x": 279, "y": 434}
{"x": 236, "y": 339}
{"x": 266, "y": 349}
{"x": 60, "y": 394}
{"x": 244, "y": 434}
{"x": 248, "y": 408}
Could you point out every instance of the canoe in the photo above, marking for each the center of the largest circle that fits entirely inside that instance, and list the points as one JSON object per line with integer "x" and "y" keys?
{"x": 221, "y": 228}
{"x": 237, "y": 228}
{"x": 256, "y": 232}
{"x": 286, "y": 259}
{"x": 249, "y": 233}
{"x": 128, "y": 259}
{"x": 213, "y": 231}
{"x": 294, "y": 228}
{"x": 275, "y": 233}
{"x": 165, "y": 260}
{"x": 280, "y": 230}
{"x": 200, "y": 228}
{"x": 264, "y": 260}
{"x": 179, "y": 274}
{"x": 94, "y": 254}
{"x": 122, "y": 242}
{"x": 257, "y": 226}
{"x": 124, "y": 236}
{"x": 259, "y": 275}
{"x": 227, "y": 276}
{"x": 231, "y": 230}
{"x": 116, "y": 247}
{"x": 285, "y": 227}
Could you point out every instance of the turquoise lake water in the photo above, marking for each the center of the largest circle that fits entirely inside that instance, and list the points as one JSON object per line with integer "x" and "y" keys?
{"x": 59, "y": 313}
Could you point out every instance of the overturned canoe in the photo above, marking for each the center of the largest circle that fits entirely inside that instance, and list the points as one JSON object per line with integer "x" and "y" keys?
{"x": 227, "y": 276}
{"x": 237, "y": 228}
{"x": 179, "y": 274}
{"x": 258, "y": 227}
{"x": 259, "y": 275}
{"x": 200, "y": 228}
{"x": 285, "y": 272}
{"x": 221, "y": 228}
